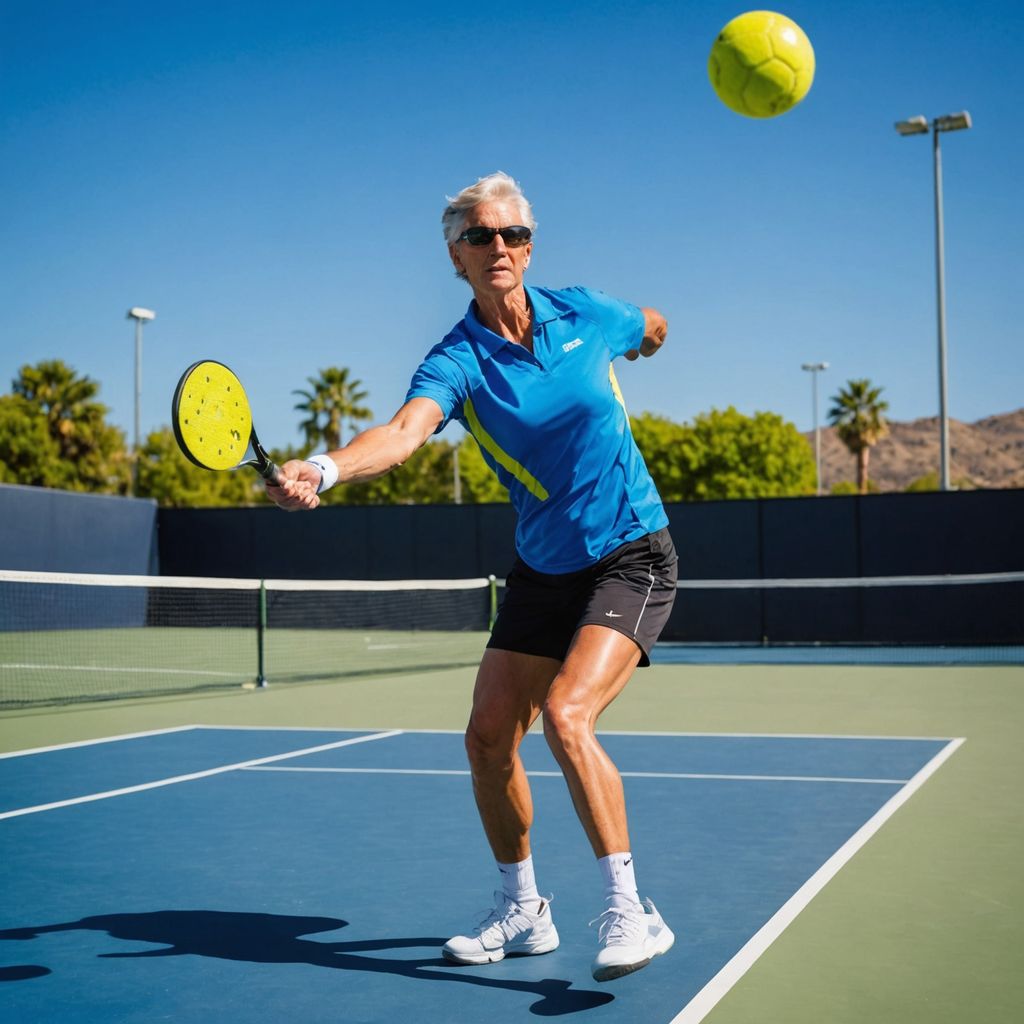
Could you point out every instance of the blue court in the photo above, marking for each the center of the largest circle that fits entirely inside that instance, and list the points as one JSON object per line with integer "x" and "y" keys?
{"x": 261, "y": 875}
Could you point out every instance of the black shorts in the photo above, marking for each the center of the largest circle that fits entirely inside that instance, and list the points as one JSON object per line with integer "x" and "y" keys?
{"x": 631, "y": 591}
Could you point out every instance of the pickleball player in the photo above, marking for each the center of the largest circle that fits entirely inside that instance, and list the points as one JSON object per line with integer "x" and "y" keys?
{"x": 528, "y": 372}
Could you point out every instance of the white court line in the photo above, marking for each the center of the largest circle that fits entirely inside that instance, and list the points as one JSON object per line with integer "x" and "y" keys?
{"x": 196, "y": 775}
{"x": 710, "y": 995}
{"x": 764, "y": 778}
{"x": 101, "y": 739}
{"x": 380, "y": 771}
{"x": 108, "y": 668}
{"x": 623, "y": 732}
{"x": 775, "y": 735}
{"x": 625, "y": 775}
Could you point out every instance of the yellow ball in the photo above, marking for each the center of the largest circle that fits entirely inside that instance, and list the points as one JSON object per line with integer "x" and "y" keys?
{"x": 761, "y": 64}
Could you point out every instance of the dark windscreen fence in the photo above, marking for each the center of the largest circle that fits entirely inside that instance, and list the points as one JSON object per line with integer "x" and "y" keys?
{"x": 415, "y": 605}
{"x": 67, "y": 637}
{"x": 962, "y": 609}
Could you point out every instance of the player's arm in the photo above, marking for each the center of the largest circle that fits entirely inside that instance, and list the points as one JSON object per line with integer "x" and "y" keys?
{"x": 655, "y": 331}
{"x": 368, "y": 455}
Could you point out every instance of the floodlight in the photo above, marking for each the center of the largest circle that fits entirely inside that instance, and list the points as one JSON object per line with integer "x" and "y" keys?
{"x": 919, "y": 126}
{"x": 953, "y": 122}
{"x": 913, "y": 125}
{"x": 814, "y": 369}
{"x": 140, "y": 315}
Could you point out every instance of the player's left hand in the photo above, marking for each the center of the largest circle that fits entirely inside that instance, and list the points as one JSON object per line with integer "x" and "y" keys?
{"x": 655, "y": 331}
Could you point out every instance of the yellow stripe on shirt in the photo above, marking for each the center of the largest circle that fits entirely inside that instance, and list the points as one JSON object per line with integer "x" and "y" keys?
{"x": 500, "y": 456}
{"x": 616, "y": 389}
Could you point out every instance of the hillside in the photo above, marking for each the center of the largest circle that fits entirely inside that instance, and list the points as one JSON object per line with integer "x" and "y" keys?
{"x": 989, "y": 453}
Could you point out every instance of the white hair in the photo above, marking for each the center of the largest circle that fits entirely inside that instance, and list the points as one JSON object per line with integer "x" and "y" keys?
{"x": 494, "y": 187}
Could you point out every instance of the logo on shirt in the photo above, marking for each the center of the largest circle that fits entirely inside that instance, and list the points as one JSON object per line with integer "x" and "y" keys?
{"x": 570, "y": 345}
{"x": 612, "y": 615}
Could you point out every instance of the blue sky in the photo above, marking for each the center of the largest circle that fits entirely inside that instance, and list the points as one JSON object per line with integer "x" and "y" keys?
{"x": 269, "y": 178}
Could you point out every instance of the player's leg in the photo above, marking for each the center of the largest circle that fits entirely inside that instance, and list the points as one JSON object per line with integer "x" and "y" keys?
{"x": 509, "y": 692}
{"x": 507, "y": 698}
{"x": 600, "y": 662}
{"x": 631, "y": 599}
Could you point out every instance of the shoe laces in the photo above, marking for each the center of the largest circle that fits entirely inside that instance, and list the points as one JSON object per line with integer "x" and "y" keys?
{"x": 507, "y": 918}
{"x": 621, "y": 926}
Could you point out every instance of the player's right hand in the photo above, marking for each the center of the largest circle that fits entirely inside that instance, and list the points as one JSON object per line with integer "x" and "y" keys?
{"x": 298, "y": 489}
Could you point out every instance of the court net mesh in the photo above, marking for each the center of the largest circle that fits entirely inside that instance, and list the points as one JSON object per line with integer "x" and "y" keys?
{"x": 81, "y": 637}
{"x": 983, "y": 611}
{"x": 86, "y": 637}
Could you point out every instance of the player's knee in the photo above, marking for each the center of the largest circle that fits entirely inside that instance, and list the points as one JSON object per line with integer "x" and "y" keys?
{"x": 565, "y": 726}
{"x": 485, "y": 749}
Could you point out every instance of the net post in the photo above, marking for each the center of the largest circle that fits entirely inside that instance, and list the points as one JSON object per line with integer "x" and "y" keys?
{"x": 261, "y": 629}
{"x": 493, "y": 586}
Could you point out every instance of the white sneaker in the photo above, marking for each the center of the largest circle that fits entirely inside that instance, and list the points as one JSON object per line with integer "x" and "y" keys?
{"x": 630, "y": 939}
{"x": 507, "y": 930}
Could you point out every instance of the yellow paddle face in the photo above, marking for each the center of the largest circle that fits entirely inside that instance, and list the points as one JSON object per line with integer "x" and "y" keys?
{"x": 212, "y": 419}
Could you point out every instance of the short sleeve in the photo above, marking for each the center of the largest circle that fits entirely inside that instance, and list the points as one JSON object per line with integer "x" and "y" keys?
{"x": 622, "y": 323}
{"x": 440, "y": 378}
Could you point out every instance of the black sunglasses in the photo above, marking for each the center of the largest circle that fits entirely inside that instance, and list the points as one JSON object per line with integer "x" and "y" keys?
{"x": 513, "y": 236}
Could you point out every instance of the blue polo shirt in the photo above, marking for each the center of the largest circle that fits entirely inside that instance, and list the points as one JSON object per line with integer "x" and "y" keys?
{"x": 552, "y": 424}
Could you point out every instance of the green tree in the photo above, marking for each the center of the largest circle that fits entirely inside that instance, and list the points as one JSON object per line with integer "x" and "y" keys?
{"x": 729, "y": 455}
{"x": 724, "y": 454}
{"x": 858, "y": 414}
{"x": 661, "y": 442}
{"x": 92, "y": 451}
{"x": 844, "y": 487}
{"x": 930, "y": 482}
{"x": 168, "y": 477}
{"x": 28, "y": 454}
{"x": 331, "y": 401}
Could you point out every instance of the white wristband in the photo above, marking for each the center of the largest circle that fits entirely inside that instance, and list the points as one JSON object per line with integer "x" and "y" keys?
{"x": 328, "y": 471}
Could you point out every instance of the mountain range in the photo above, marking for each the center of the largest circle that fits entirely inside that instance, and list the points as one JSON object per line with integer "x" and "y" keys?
{"x": 988, "y": 453}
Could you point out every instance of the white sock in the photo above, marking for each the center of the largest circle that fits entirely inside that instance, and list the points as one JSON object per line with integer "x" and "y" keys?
{"x": 518, "y": 883}
{"x": 619, "y": 880}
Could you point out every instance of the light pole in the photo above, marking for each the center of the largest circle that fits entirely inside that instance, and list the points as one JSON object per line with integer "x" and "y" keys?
{"x": 140, "y": 316}
{"x": 919, "y": 126}
{"x": 814, "y": 369}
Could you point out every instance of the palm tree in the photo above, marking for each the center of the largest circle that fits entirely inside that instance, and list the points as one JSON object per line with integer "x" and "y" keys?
{"x": 858, "y": 414}
{"x": 91, "y": 451}
{"x": 332, "y": 399}
{"x": 65, "y": 399}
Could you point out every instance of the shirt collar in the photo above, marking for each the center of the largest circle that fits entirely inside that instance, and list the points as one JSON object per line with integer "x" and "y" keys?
{"x": 543, "y": 312}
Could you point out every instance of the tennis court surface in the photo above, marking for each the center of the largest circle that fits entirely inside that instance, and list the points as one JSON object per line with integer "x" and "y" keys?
{"x": 833, "y": 832}
{"x": 258, "y": 874}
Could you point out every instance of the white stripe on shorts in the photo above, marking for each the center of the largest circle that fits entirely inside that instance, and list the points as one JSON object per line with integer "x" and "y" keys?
{"x": 636, "y": 628}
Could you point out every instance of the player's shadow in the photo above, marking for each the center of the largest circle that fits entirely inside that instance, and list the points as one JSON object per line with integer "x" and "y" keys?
{"x": 280, "y": 939}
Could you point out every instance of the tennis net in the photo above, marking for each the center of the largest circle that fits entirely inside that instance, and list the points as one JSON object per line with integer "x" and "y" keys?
{"x": 968, "y": 609}
{"x": 67, "y": 637}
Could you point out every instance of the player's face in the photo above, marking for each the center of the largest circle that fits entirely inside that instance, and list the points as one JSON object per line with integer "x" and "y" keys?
{"x": 496, "y": 268}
